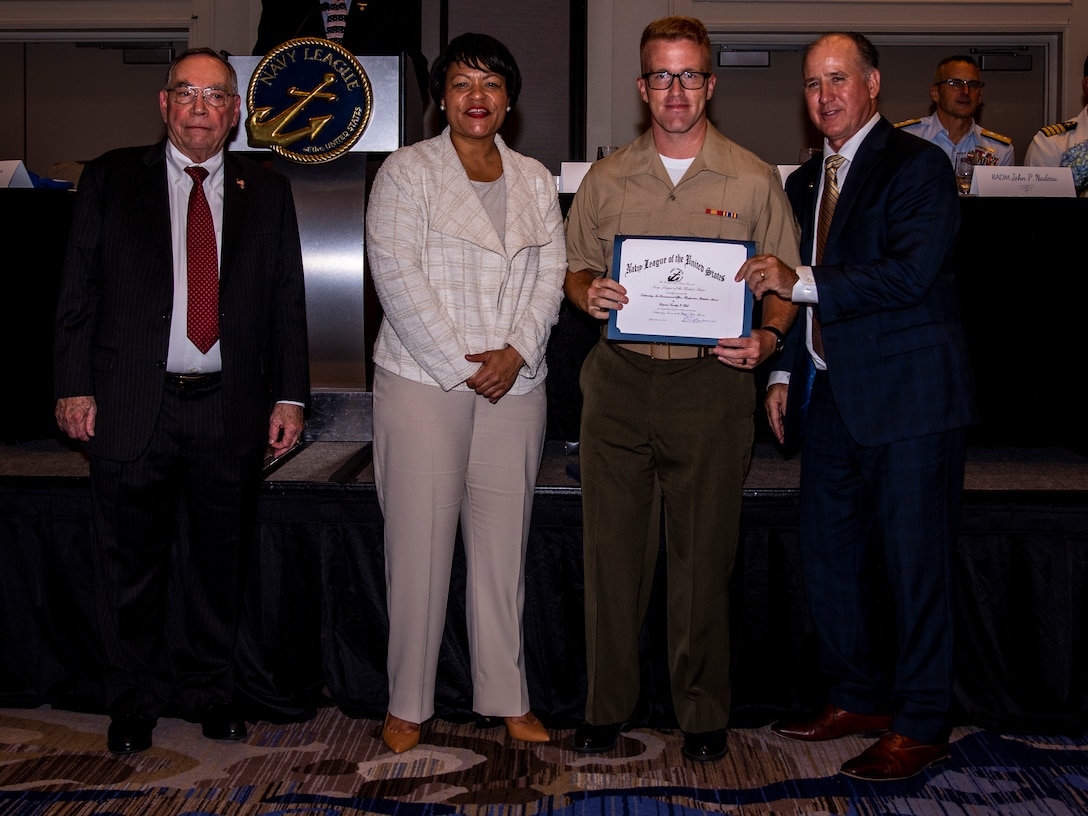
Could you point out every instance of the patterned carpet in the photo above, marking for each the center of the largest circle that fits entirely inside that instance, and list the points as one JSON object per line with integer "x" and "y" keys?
{"x": 52, "y": 763}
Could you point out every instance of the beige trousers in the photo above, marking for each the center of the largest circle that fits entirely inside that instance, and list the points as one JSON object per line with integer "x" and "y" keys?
{"x": 439, "y": 456}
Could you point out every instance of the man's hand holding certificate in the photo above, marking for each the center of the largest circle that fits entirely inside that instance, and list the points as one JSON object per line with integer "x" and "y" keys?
{"x": 680, "y": 290}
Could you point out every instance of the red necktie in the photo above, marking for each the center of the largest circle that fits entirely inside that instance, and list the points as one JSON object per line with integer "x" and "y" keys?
{"x": 827, "y": 209}
{"x": 202, "y": 326}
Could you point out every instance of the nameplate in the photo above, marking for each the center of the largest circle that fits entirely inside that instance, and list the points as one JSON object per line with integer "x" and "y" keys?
{"x": 13, "y": 174}
{"x": 571, "y": 175}
{"x": 1023, "y": 182}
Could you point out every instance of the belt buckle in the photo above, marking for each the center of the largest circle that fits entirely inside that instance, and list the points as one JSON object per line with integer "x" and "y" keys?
{"x": 700, "y": 351}
{"x": 193, "y": 382}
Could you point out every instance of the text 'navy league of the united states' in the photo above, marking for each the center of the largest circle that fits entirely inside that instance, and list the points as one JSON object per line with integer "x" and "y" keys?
{"x": 309, "y": 101}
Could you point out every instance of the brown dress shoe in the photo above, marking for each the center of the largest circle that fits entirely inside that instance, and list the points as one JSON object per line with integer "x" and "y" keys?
{"x": 526, "y": 728}
{"x": 832, "y": 723}
{"x": 894, "y": 757}
{"x": 399, "y": 741}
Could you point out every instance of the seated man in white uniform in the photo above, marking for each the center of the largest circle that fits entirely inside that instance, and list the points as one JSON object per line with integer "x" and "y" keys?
{"x": 1064, "y": 144}
{"x": 957, "y": 92}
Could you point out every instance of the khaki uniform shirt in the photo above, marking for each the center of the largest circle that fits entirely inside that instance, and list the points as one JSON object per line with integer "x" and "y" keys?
{"x": 630, "y": 193}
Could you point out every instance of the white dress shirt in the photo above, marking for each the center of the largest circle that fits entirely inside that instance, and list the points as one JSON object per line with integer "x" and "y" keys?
{"x": 805, "y": 291}
{"x": 183, "y": 357}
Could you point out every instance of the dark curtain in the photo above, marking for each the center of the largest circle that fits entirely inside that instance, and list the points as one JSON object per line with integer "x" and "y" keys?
{"x": 315, "y": 624}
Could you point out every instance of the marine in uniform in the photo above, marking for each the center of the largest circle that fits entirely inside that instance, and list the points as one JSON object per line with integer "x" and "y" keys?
{"x": 666, "y": 426}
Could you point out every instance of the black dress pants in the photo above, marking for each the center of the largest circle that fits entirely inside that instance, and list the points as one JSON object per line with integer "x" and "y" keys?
{"x": 171, "y": 531}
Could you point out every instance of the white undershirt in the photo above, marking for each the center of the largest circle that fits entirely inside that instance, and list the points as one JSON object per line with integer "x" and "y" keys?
{"x": 676, "y": 167}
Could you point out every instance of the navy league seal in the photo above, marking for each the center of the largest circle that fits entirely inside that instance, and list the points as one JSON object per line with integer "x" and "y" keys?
{"x": 309, "y": 100}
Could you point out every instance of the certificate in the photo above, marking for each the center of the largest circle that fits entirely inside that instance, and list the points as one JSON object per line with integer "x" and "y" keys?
{"x": 680, "y": 290}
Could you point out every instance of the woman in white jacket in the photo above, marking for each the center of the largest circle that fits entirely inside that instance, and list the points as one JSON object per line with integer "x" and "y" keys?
{"x": 467, "y": 252}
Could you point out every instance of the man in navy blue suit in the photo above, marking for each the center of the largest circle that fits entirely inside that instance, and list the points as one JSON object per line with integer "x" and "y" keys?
{"x": 877, "y": 379}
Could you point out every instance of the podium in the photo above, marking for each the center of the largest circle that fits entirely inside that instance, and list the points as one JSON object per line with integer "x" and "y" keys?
{"x": 330, "y": 199}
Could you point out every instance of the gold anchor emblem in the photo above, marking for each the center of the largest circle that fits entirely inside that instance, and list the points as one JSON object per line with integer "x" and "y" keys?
{"x": 286, "y": 77}
{"x": 266, "y": 133}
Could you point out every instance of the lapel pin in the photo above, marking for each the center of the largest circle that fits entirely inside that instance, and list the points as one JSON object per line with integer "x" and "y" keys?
{"x": 241, "y": 184}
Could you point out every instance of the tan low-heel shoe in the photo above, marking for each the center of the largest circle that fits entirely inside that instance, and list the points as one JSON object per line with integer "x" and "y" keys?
{"x": 399, "y": 741}
{"x": 526, "y": 728}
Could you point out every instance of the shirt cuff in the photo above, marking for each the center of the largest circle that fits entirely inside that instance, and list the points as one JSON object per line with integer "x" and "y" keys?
{"x": 804, "y": 291}
{"x": 778, "y": 378}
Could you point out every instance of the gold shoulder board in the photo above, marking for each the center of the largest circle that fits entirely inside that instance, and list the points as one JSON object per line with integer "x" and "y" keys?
{"x": 997, "y": 137}
{"x": 1060, "y": 127}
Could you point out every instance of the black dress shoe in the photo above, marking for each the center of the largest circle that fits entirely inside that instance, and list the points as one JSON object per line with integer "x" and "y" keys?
{"x": 596, "y": 739}
{"x": 129, "y": 734}
{"x": 705, "y": 746}
{"x": 220, "y": 721}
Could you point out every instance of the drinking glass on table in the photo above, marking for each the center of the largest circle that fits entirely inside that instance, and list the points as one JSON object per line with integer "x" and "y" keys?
{"x": 965, "y": 171}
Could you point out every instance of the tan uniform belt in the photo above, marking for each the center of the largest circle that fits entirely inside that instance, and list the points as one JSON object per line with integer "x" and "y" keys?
{"x": 666, "y": 351}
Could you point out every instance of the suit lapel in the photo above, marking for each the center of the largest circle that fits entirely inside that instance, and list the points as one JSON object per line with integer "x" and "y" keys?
{"x": 469, "y": 221}
{"x": 155, "y": 202}
{"x": 867, "y": 157}
{"x": 457, "y": 212}
{"x": 235, "y": 205}
{"x": 524, "y": 224}
{"x": 802, "y": 188}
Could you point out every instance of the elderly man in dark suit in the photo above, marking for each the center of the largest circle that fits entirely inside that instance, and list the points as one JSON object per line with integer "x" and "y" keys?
{"x": 181, "y": 327}
{"x": 891, "y": 394}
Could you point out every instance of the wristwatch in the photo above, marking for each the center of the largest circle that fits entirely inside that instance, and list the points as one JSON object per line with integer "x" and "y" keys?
{"x": 780, "y": 339}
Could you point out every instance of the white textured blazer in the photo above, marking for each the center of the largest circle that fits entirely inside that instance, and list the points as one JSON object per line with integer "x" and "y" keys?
{"x": 446, "y": 282}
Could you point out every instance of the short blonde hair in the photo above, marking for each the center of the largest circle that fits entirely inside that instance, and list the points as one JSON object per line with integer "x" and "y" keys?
{"x": 674, "y": 28}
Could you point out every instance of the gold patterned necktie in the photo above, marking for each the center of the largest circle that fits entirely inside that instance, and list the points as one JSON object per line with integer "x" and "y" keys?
{"x": 827, "y": 210}
{"x": 202, "y": 267}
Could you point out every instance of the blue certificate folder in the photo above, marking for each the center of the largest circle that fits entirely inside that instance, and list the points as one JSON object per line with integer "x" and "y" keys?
{"x": 680, "y": 290}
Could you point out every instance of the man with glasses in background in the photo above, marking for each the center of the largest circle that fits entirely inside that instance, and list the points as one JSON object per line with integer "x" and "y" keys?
{"x": 180, "y": 356}
{"x": 957, "y": 93}
{"x": 667, "y": 425}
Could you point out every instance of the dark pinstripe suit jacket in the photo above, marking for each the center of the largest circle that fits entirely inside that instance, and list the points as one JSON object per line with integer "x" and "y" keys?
{"x": 113, "y": 320}
{"x": 894, "y": 344}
